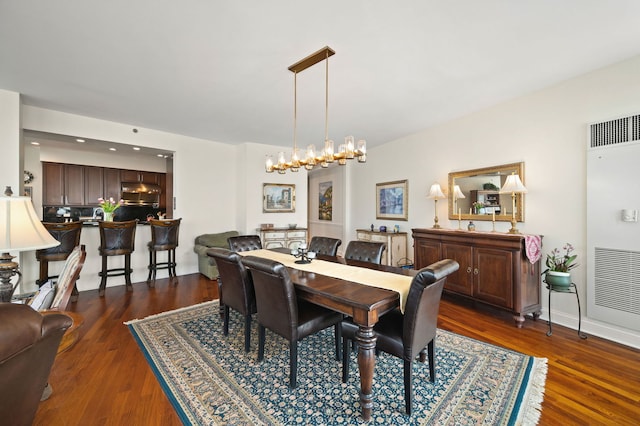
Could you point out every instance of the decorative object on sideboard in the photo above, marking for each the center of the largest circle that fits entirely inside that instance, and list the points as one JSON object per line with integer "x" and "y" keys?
{"x": 20, "y": 230}
{"x": 435, "y": 192}
{"x": 559, "y": 266}
{"x": 471, "y": 226}
{"x": 514, "y": 186}
{"x": 346, "y": 151}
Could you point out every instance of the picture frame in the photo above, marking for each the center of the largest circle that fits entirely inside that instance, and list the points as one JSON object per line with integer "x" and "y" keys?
{"x": 392, "y": 200}
{"x": 278, "y": 198}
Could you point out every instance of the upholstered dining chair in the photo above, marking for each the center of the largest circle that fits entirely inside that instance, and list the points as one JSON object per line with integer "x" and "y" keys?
{"x": 235, "y": 288}
{"x": 280, "y": 311}
{"x": 244, "y": 243}
{"x": 324, "y": 245}
{"x": 365, "y": 251}
{"x": 407, "y": 336}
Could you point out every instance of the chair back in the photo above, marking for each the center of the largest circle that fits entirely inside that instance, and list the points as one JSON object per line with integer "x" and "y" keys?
{"x": 325, "y": 246}
{"x": 275, "y": 296}
{"x": 68, "y": 234}
{"x": 423, "y": 302}
{"x": 244, "y": 243}
{"x": 117, "y": 238}
{"x": 365, "y": 251}
{"x": 238, "y": 292}
{"x": 164, "y": 233}
{"x": 28, "y": 346}
{"x": 67, "y": 278}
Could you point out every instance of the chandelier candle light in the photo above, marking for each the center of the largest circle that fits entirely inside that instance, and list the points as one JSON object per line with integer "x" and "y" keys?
{"x": 347, "y": 151}
{"x": 513, "y": 185}
{"x": 436, "y": 193}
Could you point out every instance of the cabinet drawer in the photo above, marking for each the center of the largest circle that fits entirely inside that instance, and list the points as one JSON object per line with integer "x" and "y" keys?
{"x": 363, "y": 236}
{"x": 297, "y": 234}
{"x": 274, "y": 235}
{"x": 379, "y": 238}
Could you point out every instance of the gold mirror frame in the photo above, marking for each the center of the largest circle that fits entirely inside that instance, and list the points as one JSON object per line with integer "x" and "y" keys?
{"x": 476, "y": 178}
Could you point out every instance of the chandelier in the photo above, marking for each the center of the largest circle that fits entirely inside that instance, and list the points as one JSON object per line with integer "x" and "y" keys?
{"x": 346, "y": 151}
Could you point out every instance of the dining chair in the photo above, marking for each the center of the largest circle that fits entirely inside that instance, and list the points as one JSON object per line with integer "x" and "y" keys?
{"x": 324, "y": 246}
{"x": 280, "y": 311}
{"x": 244, "y": 243}
{"x": 235, "y": 288}
{"x": 408, "y": 335}
{"x": 365, "y": 251}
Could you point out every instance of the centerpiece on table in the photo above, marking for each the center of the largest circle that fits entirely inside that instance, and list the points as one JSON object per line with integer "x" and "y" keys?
{"x": 109, "y": 207}
{"x": 559, "y": 266}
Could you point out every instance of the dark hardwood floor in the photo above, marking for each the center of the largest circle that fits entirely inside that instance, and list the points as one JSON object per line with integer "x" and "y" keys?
{"x": 105, "y": 380}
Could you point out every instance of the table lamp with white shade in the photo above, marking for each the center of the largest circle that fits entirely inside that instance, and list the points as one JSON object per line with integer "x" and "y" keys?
{"x": 435, "y": 192}
{"x": 20, "y": 230}
{"x": 513, "y": 185}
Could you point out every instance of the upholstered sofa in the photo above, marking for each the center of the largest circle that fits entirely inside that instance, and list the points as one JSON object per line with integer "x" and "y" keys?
{"x": 206, "y": 266}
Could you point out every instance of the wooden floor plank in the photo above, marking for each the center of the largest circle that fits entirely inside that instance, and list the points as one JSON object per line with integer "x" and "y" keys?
{"x": 105, "y": 380}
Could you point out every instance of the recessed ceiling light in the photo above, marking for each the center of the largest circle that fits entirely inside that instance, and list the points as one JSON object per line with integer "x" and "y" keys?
{"x": 135, "y": 148}
{"x": 112, "y": 149}
{"x": 160, "y": 155}
{"x": 35, "y": 143}
{"x": 80, "y": 140}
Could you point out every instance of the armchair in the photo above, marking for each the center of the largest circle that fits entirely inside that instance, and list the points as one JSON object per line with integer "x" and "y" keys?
{"x": 206, "y": 265}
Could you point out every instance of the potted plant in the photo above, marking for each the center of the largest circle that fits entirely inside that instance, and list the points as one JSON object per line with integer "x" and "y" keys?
{"x": 559, "y": 266}
{"x": 478, "y": 207}
{"x": 109, "y": 207}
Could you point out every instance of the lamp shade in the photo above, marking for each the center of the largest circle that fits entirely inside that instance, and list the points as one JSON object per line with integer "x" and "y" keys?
{"x": 513, "y": 184}
{"x": 457, "y": 193}
{"x": 435, "y": 191}
{"x": 20, "y": 228}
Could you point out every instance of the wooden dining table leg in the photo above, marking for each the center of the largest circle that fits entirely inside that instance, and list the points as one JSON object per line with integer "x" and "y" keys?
{"x": 366, "y": 339}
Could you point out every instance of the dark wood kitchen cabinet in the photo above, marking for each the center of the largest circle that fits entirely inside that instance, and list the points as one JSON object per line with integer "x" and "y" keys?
{"x": 112, "y": 183}
{"x": 138, "y": 176}
{"x": 493, "y": 269}
{"x": 93, "y": 184}
{"x": 64, "y": 184}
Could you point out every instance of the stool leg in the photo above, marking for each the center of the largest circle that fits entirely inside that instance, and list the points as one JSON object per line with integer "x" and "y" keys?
{"x": 44, "y": 272}
{"x": 172, "y": 257}
{"x": 127, "y": 272}
{"x": 74, "y": 293}
{"x": 154, "y": 264}
{"x": 151, "y": 267}
{"x": 103, "y": 274}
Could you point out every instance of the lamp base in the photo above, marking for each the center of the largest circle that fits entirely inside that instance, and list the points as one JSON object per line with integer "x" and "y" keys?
{"x": 8, "y": 268}
{"x": 513, "y": 229}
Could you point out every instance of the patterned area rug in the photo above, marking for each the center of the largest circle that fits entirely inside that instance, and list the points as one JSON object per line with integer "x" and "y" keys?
{"x": 210, "y": 380}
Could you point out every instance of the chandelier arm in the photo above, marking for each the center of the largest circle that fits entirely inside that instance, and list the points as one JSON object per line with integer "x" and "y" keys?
{"x": 295, "y": 111}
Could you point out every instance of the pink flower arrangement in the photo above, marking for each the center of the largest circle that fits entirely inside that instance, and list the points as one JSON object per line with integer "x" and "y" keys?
{"x": 110, "y": 205}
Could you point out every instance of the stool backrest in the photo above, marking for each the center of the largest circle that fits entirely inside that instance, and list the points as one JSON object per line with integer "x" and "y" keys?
{"x": 164, "y": 233}
{"x": 68, "y": 234}
{"x": 117, "y": 237}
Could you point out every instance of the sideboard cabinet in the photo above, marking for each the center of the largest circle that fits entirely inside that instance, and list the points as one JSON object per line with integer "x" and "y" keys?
{"x": 396, "y": 251}
{"x": 282, "y": 237}
{"x": 494, "y": 268}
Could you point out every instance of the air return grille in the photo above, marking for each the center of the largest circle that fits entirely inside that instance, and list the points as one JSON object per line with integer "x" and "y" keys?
{"x": 617, "y": 279}
{"x": 613, "y": 132}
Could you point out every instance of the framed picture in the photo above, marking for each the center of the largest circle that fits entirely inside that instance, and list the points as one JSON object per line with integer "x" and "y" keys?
{"x": 278, "y": 198}
{"x": 392, "y": 200}
{"x": 325, "y": 202}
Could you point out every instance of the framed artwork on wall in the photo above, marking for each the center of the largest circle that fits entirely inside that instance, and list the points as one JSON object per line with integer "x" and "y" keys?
{"x": 325, "y": 201}
{"x": 278, "y": 198}
{"x": 392, "y": 200}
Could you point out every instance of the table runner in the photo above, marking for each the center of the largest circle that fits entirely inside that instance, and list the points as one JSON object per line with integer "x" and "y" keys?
{"x": 371, "y": 277}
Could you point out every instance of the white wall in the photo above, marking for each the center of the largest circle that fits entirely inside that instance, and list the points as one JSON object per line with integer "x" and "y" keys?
{"x": 548, "y": 131}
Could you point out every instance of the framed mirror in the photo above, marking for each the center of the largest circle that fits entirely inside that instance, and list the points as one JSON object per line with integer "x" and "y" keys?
{"x": 481, "y": 191}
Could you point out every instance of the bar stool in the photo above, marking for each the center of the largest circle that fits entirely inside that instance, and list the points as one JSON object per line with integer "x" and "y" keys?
{"x": 116, "y": 239}
{"x": 69, "y": 236}
{"x": 164, "y": 237}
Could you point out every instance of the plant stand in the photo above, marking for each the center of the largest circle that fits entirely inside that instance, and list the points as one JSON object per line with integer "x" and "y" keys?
{"x": 561, "y": 289}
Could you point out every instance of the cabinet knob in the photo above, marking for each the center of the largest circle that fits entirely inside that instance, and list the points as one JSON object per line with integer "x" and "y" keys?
{"x": 468, "y": 269}
{"x": 475, "y": 271}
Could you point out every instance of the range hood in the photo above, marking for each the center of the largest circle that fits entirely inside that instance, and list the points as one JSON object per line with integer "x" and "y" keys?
{"x": 140, "y": 194}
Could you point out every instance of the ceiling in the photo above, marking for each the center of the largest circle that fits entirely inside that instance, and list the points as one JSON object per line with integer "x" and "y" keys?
{"x": 218, "y": 70}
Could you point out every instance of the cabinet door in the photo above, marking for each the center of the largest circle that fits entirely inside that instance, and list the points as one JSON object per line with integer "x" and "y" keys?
{"x": 129, "y": 176}
{"x": 397, "y": 249}
{"x": 460, "y": 281}
{"x": 93, "y": 185}
{"x": 74, "y": 185}
{"x": 426, "y": 252}
{"x": 53, "y": 184}
{"x": 494, "y": 276}
{"x": 111, "y": 184}
{"x": 148, "y": 177}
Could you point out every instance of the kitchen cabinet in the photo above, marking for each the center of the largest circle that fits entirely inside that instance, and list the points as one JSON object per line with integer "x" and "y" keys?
{"x": 93, "y": 184}
{"x": 112, "y": 183}
{"x": 63, "y": 184}
{"x": 494, "y": 268}
{"x": 282, "y": 237}
{"x": 138, "y": 176}
{"x": 396, "y": 252}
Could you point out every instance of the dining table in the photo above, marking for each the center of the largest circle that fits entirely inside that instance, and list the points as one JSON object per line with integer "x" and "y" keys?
{"x": 353, "y": 292}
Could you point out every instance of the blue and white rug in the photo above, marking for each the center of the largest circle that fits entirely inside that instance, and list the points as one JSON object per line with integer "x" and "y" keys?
{"x": 210, "y": 380}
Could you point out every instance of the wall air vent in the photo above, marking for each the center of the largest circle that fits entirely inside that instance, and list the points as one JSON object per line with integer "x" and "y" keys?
{"x": 617, "y": 279}
{"x": 614, "y": 132}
